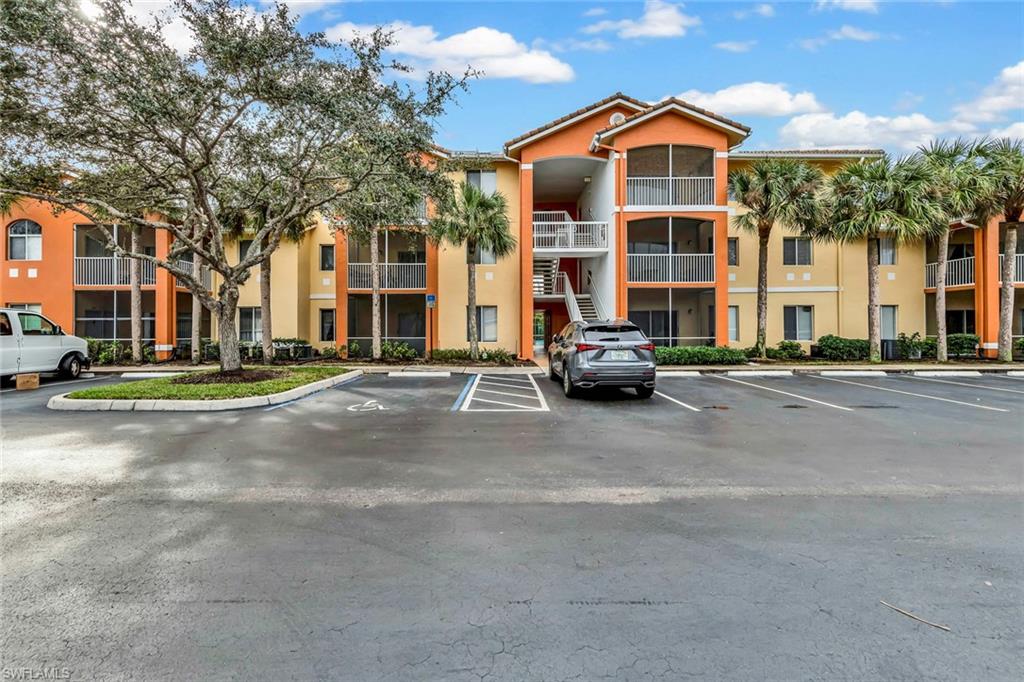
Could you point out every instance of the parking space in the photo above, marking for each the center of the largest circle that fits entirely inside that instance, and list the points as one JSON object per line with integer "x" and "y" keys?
{"x": 503, "y": 393}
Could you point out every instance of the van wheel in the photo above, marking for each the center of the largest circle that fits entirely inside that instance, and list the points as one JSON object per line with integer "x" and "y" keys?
{"x": 644, "y": 391}
{"x": 568, "y": 387}
{"x": 72, "y": 369}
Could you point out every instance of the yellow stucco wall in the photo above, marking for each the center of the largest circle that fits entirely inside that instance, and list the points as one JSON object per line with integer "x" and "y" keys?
{"x": 497, "y": 285}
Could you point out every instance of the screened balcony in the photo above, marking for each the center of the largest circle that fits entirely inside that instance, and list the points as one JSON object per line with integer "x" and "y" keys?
{"x": 670, "y": 250}
{"x": 403, "y": 262}
{"x": 96, "y": 265}
{"x": 670, "y": 175}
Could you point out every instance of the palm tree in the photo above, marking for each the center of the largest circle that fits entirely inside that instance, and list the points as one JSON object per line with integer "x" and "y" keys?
{"x": 1003, "y": 166}
{"x": 959, "y": 185}
{"x": 886, "y": 197}
{"x": 480, "y": 222}
{"x": 775, "y": 191}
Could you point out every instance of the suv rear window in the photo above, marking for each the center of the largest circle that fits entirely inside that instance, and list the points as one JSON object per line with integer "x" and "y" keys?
{"x": 613, "y": 333}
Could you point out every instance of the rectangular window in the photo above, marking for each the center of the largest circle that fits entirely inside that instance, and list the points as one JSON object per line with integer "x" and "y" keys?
{"x": 734, "y": 251}
{"x": 798, "y": 322}
{"x": 485, "y": 256}
{"x": 486, "y": 322}
{"x": 31, "y": 307}
{"x": 6, "y": 329}
{"x": 960, "y": 322}
{"x": 796, "y": 251}
{"x": 484, "y": 180}
{"x": 888, "y": 315}
{"x": 887, "y": 251}
{"x": 734, "y": 323}
{"x": 327, "y": 324}
{"x": 250, "y": 325}
{"x": 243, "y": 248}
{"x": 327, "y": 257}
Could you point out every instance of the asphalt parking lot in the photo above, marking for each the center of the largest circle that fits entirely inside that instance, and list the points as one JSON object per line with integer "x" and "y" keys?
{"x": 472, "y": 527}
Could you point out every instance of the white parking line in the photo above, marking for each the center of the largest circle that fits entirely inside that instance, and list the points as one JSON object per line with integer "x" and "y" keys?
{"x": 677, "y": 402}
{"x": 472, "y": 398}
{"x": 960, "y": 383}
{"x": 916, "y": 395}
{"x": 791, "y": 395}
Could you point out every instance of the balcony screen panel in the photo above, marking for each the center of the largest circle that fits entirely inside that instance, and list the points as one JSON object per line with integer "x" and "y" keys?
{"x": 647, "y": 162}
{"x": 692, "y": 162}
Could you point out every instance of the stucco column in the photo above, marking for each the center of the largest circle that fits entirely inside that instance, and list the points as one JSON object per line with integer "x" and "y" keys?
{"x": 166, "y": 316}
{"x": 340, "y": 292}
{"x": 526, "y": 260}
{"x": 433, "y": 317}
{"x": 722, "y": 279}
{"x": 986, "y": 287}
{"x": 620, "y": 226}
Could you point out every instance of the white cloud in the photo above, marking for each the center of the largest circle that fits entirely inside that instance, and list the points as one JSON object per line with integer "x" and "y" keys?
{"x": 844, "y": 32}
{"x": 870, "y": 6}
{"x": 754, "y": 99}
{"x": 660, "y": 20}
{"x": 1012, "y": 130}
{"x": 495, "y": 53}
{"x": 736, "y": 45}
{"x": 595, "y": 12}
{"x": 175, "y": 31}
{"x": 1003, "y": 95}
{"x": 573, "y": 45}
{"x": 762, "y": 10}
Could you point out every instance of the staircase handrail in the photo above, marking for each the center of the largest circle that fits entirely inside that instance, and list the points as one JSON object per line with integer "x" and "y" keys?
{"x": 595, "y": 298}
{"x": 570, "y": 299}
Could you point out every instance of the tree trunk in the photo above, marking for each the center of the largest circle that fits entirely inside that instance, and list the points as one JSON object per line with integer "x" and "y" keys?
{"x": 267, "y": 338}
{"x": 1006, "y": 294}
{"x": 230, "y": 358}
{"x": 941, "y": 354}
{"x": 197, "y": 313}
{"x": 474, "y": 333}
{"x": 135, "y": 279}
{"x": 375, "y": 286}
{"x": 762, "y": 292}
{"x": 874, "y": 312}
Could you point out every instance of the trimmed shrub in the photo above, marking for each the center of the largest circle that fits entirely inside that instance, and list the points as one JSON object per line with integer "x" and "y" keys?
{"x": 786, "y": 350}
{"x": 496, "y": 355}
{"x": 1019, "y": 346}
{"x": 329, "y": 353}
{"x": 961, "y": 345}
{"x": 397, "y": 350}
{"x": 929, "y": 347}
{"x": 910, "y": 346}
{"x": 699, "y": 355}
{"x": 832, "y": 347}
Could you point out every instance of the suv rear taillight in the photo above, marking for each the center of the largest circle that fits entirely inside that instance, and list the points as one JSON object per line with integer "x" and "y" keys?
{"x": 587, "y": 346}
{"x": 646, "y": 346}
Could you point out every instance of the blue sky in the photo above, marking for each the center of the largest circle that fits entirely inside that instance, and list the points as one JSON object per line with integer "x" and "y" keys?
{"x": 824, "y": 73}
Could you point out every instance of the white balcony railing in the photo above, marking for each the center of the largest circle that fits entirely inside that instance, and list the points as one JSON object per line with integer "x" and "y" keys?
{"x": 186, "y": 264}
{"x": 556, "y": 230}
{"x": 392, "y": 276}
{"x": 680, "y": 267}
{"x": 1018, "y": 267}
{"x": 670, "y": 191}
{"x": 110, "y": 271}
{"x": 959, "y": 272}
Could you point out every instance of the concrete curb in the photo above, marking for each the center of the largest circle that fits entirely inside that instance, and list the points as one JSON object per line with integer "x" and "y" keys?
{"x": 62, "y": 402}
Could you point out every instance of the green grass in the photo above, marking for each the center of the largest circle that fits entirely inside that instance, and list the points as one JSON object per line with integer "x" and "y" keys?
{"x": 163, "y": 389}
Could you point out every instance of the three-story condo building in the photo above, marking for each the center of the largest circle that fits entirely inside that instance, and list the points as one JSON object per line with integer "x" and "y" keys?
{"x": 620, "y": 209}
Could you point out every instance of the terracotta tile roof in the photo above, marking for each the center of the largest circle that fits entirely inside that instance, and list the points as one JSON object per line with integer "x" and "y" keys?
{"x": 685, "y": 105}
{"x": 590, "y": 107}
{"x": 801, "y": 153}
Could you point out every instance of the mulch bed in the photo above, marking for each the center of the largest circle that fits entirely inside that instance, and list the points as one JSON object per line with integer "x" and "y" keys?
{"x": 248, "y": 376}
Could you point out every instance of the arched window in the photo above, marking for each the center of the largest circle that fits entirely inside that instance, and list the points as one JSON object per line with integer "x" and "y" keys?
{"x": 24, "y": 240}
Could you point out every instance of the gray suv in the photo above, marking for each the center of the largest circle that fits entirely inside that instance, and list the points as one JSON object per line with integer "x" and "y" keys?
{"x": 602, "y": 353}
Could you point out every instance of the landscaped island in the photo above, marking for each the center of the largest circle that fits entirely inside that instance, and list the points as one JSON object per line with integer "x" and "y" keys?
{"x": 212, "y": 385}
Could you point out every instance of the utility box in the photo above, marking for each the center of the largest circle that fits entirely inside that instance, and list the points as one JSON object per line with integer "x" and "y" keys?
{"x": 26, "y": 382}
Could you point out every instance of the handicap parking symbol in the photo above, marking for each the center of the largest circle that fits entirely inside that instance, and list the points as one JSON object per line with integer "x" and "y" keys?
{"x": 368, "y": 406}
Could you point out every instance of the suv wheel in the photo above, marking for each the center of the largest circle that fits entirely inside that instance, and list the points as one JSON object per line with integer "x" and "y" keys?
{"x": 552, "y": 374}
{"x": 568, "y": 387}
{"x": 644, "y": 391}
{"x": 73, "y": 368}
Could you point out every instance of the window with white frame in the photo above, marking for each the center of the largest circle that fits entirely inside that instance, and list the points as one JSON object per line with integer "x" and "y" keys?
{"x": 734, "y": 323}
{"x": 327, "y": 324}
{"x": 485, "y": 256}
{"x": 484, "y": 180}
{"x": 250, "y": 325}
{"x": 796, "y": 251}
{"x": 887, "y": 251}
{"x": 24, "y": 240}
{"x": 327, "y": 257}
{"x": 486, "y": 322}
{"x": 798, "y": 322}
{"x": 31, "y": 307}
{"x": 734, "y": 251}
{"x": 889, "y": 319}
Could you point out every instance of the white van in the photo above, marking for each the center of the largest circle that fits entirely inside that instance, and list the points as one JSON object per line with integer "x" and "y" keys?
{"x": 31, "y": 343}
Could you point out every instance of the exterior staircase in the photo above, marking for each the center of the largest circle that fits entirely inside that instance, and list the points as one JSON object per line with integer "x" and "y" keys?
{"x": 545, "y": 272}
{"x": 588, "y": 311}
